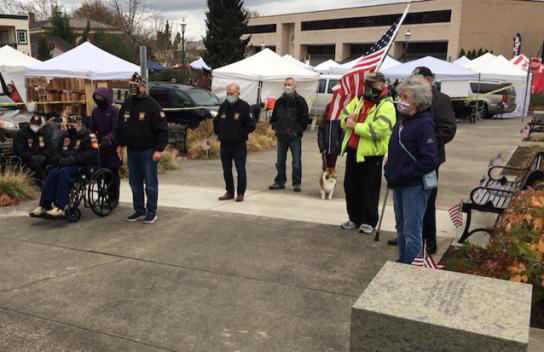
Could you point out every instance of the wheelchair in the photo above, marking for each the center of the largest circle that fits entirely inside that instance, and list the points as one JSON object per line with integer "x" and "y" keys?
{"x": 96, "y": 188}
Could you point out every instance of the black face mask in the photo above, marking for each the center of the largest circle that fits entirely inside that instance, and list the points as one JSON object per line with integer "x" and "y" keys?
{"x": 135, "y": 91}
{"x": 72, "y": 131}
{"x": 372, "y": 94}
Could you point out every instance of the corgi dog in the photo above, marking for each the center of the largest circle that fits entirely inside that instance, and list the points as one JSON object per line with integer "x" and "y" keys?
{"x": 327, "y": 183}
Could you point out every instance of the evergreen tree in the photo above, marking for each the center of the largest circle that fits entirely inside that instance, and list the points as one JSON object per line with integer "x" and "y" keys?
{"x": 44, "y": 50}
{"x": 167, "y": 36}
{"x": 177, "y": 40}
{"x": 480, "y": 52}
{"x": 85, "y": 35}
{"x": 99, "y": 37}
{"x": 462, "y": 52}
{"x": 226, "y": 22}
{"x": 60, "y": 25}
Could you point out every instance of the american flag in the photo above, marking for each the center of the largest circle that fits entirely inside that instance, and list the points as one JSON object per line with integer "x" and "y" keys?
{"x": 455, "y": 215}
{"x": 426, "y": 260}
{"x": 352, "y": 83}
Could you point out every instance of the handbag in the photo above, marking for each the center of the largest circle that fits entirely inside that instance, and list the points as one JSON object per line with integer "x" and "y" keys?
{"x": 430, "y": 180}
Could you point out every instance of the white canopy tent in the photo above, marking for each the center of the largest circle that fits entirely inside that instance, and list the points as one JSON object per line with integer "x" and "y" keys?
{"x": 342, "y": 69}
{"x": 487, "y": 57}
{"x": 498, "y": 68}
{"x": 297, "y": 63}
{"x": 442, "y": 70}
{"x": 264, "y": 72}
{"x": 462, "y": 60}
{"x": 200, "y": 64}
{"x": 326, "y": 66}
{"x": 12, "y": 67}
{"x": 85, "y": 61}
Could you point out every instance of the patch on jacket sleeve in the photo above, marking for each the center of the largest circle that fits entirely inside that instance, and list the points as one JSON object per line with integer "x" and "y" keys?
{"x": 430, "y": 141}
{"x": 163, "y": 114}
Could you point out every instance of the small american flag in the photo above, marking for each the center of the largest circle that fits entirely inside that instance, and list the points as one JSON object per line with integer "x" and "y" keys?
{"x": 425, "y": 260}
{"x": 352, "y": 83}
{"x": 456, "y": 216}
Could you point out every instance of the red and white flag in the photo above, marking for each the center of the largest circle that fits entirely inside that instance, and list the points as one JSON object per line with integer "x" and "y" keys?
{"x": 352, "y": 83}
{"x": 456, "y": 216}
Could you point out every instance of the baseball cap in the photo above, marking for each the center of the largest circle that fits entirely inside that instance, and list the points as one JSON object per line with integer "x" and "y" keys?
{"x": 375, "y": 77}
{"x": 423, "y": 71}
{"x": 74, "y": 118}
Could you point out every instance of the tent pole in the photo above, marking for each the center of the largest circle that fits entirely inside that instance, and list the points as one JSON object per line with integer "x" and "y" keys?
{"x": 478, "y": 113}
{"x": 526, "y": 88}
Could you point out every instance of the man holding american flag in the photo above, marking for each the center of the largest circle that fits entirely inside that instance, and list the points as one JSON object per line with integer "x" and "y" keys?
{"x": 367, "y": 119}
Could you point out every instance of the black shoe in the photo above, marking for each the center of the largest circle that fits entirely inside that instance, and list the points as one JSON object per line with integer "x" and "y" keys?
{"x": 276, "y": 186}
{"x": 135, "y": 217}
{"x": 393, "y": 242}
{"x": 431, "y": 250}
{"x": 296, "y": 188}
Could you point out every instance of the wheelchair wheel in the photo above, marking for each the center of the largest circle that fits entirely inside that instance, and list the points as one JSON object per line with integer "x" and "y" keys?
{"x": 103, "y": 192}
{"x": 73, "y": 214}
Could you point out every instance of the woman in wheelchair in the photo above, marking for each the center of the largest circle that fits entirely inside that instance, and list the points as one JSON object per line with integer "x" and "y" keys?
{"x": 77, "y": 148}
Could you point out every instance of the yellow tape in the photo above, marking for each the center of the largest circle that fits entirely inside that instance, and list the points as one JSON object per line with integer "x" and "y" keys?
{"x": 45, "y": 102}
{"x": 477, "y": 97}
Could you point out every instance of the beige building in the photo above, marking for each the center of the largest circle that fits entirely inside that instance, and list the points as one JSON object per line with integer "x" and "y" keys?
{"x": 439, "y": 28}
{"x": 14, "y": 31}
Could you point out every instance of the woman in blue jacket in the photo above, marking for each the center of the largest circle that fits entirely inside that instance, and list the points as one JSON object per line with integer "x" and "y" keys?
{"x": 412, "y": 155}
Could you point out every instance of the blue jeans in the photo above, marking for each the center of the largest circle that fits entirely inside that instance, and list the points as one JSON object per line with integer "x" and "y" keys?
{"x": 296, "y": 153}
{"x": 238, "y": 153}
{"x": 410, "y": 204}
{"x": 142, "y": 169}
{"x": 57, "y": 187}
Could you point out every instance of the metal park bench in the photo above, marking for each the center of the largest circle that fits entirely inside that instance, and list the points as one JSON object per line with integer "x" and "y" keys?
{"x": 493, "y": 195}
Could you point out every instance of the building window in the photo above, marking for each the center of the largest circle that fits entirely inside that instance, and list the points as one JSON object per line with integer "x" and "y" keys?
{"x": 21, "y": 37}
{"x": 418, "y": 50}
{"x": 358, "y": 50}
{"x": 320, "y": 53}
{"x": 263, "y": 28}
{"x": 377, "y": 21}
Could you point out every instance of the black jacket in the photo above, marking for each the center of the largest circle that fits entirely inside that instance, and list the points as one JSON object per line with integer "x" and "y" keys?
{"x": 142, "y": 125}
{"x": 27, "y": 144}
{"x": 418, "y": 136}
{"x": 81, "y": 148}
{"x": 234, "y": 123}
{"x": 290, "y": 117}
{"x": 444, "y": 120}
{"x": 330, "y": 137}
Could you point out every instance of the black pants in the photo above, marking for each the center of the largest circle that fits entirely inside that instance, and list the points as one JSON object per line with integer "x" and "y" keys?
{"x": 238, "y": 154}
{"x": 362, "y": 184}
{"x": 429, "y": 220}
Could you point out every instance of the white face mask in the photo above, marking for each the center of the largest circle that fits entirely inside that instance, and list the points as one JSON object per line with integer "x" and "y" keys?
{"x": 403, "y": 106}
{"x": 288, "y": 90}
{"x": 231, "y": 99}
{"x": 35, "y": 128}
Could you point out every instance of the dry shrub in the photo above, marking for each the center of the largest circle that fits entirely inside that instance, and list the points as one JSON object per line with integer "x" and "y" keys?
{"x": 16, "y": 185}
{"x": 167, "y": 162}
{"x": 262, "y": 138}
{"x": 196, "y": 149}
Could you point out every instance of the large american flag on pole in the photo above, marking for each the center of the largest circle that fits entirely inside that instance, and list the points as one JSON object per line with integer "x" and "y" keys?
{"x": 352, "y": 83}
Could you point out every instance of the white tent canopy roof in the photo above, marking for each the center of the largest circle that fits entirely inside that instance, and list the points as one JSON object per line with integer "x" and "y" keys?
{"x": 480, "y": 60}
{"x": 442, "y": 70}
{"x": 497, "y": 68}
{"x": 462, "y": 60}
{"x": 10, "y": 57}
{"x": 342, "y": 69}
{"x": 297, "y": 63}
{"x": 266, "y": 65}
{"x": 85, "y": 61}
{"x": 326, "y": 66}
{"x": 200, "y": 64}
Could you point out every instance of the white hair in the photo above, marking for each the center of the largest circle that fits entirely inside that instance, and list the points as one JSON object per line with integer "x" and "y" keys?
{"x": 235, "y": 86}
{"x": 422, "y": 93}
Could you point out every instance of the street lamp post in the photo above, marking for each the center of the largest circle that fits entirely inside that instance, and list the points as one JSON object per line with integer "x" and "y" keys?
{"x": 183, "y": 25}
{"x": 407, "y": 36}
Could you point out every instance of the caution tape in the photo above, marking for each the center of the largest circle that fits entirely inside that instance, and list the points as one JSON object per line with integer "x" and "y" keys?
{"x": 477, "y": 97}
{"x": 45, "y": 102}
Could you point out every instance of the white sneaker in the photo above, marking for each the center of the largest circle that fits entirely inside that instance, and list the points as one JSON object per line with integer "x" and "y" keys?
{"x": 364, "y": 228}
{"x": 55, "y": 212}
{"x": 348, "y": 225}
{"x": 39, "y": 211}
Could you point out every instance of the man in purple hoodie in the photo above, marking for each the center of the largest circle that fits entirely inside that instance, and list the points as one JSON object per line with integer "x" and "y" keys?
{"x": 103, "y": 122}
